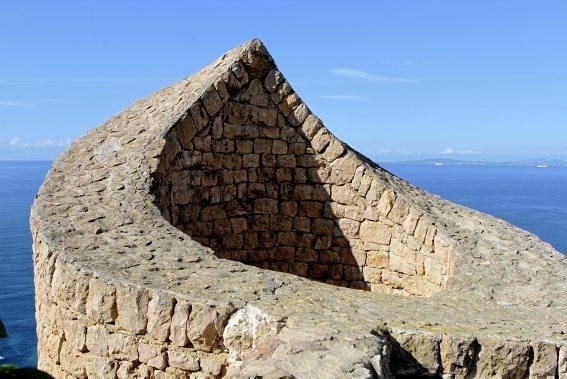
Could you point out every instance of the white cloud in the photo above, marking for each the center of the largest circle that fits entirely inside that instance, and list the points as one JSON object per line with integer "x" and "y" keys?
{"x": 451, "y": 151}
{"x": 17, "y": 142}
{"x": 353, "y": 73}
{"x": 469, "y": 152}
{"x": 341, "y": 97}
{"x": 13, "y": 103}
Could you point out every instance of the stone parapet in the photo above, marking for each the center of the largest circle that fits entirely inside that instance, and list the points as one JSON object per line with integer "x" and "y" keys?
{"x": 217, "y": 228}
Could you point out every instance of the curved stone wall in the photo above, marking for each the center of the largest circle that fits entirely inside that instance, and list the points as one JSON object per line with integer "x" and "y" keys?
{"x": 148, "y": 229}
{"x": 255, "y": 176}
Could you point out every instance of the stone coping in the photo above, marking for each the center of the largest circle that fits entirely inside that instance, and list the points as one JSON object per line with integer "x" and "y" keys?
{"x": 109, "y": 263}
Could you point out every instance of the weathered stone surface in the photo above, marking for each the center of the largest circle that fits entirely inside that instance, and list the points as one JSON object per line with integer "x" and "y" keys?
{"x": 203, "y": 327}
{"x": 160, "y": 310}
{"x": 168, "y": 243}
{"x": 247, "y": 330}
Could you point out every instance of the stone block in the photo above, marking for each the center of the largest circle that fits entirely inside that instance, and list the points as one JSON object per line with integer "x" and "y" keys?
{"x": 160, "y": 311}
{"x": 376, "y": 232}
{"x": 101, "y": 302}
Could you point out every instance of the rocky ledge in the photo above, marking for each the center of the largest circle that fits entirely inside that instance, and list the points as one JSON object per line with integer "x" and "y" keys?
{"x": 217, "y": 228}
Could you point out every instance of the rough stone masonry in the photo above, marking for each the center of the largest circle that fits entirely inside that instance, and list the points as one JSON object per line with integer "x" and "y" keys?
{"x": 217, "y": 228}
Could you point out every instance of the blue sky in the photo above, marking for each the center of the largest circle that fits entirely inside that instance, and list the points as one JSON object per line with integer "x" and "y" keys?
{"x": 483, "y": 80}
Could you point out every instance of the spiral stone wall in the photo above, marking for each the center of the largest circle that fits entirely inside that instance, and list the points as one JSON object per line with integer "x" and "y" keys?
{"x": 217, "y": 228}
{"x": 258, "y": 178}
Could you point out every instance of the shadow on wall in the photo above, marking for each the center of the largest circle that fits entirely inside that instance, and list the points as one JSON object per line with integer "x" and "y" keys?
{"x": 252, "y": 189}
{"x": 249, "y": 172}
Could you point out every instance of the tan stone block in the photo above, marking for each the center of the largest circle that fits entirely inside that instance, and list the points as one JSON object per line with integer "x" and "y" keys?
{"x": 376, "y": 232}
{"x": 202, "y": 327}
{"x": 386, "y": 201}
{"x": 358, "y": 175}
{"x": 502, "y": 359}
{"x": 178, "y": 329}
{"x": 153, "y": 355}
{"x": 392, "y": 279}
{"x": 75, "y": 334}
{"x": 289, "y": 103}
{"x": 402, "y": 264}
{"x": 213, "y": 364}
{"x": 377, "y": 259}
{"x": 348, "y": 228}
{"x": 433, "y": 270}
{"x": 123, "y": 346}
{"x": 283, "y": 90}
{"x": 334, "y": 150}
{"x": 160, "y": 311}
{"x": 544, "y": 364}
{"x": 132, "y": 307}
{"x": 101, "y": 302}
{"x": 183, "y": 359}
{"x": 298, "y": 115}
{"x": 372, "y": 274}
{"x": 562, "y": 362}
{"x": 343, "y": 194}
{"x": 98, "y": 367}
{"x": 97, "y": 340}
{"x": 311, "y": 126}
{"x": 345, "y": 167}
{"x": 421, "y": 229}
{"x": 62, "y": 285}
{"x": 423, "y": 347}
{"x": 365, "y": 184}
{"x": 81, "y": 293}
{"x": 321, "y": 140}
{"x": 399, "y": 211}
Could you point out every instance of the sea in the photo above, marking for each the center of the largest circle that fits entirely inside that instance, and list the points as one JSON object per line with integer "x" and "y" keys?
{"x": 532, "y": 198}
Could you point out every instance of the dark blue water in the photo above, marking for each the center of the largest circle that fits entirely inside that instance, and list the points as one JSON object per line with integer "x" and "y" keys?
{"x": 19, "y": 182}
{"x": 532, "y": 198}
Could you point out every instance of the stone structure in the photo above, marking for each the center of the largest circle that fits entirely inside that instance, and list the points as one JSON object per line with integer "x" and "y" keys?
{"x": 217, "y": 228}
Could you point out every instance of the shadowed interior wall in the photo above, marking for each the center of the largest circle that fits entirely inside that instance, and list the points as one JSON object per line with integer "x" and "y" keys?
{"x": 252, "y": 174}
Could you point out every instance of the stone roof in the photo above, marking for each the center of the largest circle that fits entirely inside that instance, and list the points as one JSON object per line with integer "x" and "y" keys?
{"x": 136, "y": 239}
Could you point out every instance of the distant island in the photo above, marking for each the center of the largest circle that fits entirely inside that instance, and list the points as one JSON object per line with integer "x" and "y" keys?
{"x": 543, "y": 163}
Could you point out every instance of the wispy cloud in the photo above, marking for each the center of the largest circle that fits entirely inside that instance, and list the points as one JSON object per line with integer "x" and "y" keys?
{"x": 452, "y": 151}
{"x": 353, "y": 73}
{"x": 14, "y": 103}
{"x": 38, "y": 101}
{"x": 342, "y": 97}
{"x": 17, "y": 142}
